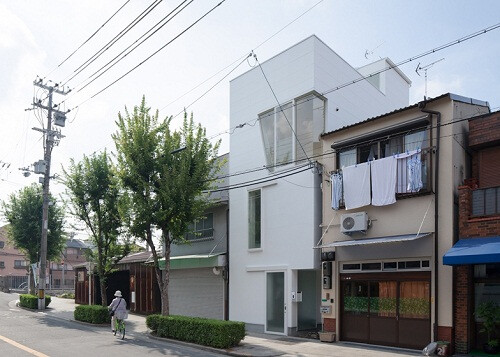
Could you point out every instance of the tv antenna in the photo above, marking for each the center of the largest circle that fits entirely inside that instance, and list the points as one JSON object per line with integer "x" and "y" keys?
{"x": 368, "y": 53}
{"x": 425, "y": 69}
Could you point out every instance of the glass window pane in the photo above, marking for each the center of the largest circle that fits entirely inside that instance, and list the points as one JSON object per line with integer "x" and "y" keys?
{"x": 392, "y": 146}
{"x": 347, "y": 158}
{"x": 275, "y": 302}
{"x": 284, "y": 134}
{"x": 414, "y": 299}
{"x": 310, "y": 119}
{"x": 351, "y": 266}
{"x": 490, "y": 201}
{"x": 485, "y": 292}
{"x": 416, "y": 140}
{"x": 356, "y": 297}
{"x": 304, "y": 124}
{"x": 383, "y": 298}
{"x": 390, "y": 266}
{"x": 368, "y": 153}
{"x": 266, "y": 121}
{"x": 371, "y": 266}
{"x": 478, "y": 202}
{"x": 254, "y": 224}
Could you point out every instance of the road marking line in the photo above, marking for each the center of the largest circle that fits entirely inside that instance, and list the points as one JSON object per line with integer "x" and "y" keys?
{"x": 24, "y": 348}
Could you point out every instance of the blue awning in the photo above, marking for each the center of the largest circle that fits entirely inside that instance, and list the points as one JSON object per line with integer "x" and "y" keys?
{"x": 474, "y": 251}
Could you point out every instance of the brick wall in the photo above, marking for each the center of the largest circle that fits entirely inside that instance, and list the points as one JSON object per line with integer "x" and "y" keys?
{"x": 329, "y": 325}
{"x": 470, "y": 227}
{"x": 484, "y": 129}
{"x": 463, "y": 306}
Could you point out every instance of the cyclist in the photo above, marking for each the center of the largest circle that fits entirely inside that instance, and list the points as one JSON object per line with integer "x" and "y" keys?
{"x": 119, "y": 307}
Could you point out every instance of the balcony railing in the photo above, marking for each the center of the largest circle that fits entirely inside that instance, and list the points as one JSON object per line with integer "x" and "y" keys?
{"x": 486, "y": 201}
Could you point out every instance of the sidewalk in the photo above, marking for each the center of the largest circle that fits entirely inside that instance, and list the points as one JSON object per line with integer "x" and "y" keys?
{"x": 258, "y": 345}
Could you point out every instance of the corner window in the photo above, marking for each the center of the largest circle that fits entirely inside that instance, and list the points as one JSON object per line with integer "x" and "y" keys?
{"x": 202, "y": 228}
{"x": 304, "y": 116}
{"x": 254, "y": 219}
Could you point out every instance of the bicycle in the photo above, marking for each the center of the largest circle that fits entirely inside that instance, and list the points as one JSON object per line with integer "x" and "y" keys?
{"x": 120, "y": 328}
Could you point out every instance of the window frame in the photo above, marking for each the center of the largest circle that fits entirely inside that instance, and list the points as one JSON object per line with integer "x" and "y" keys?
{"x": 193, "y": 236}
{"x": 252, "y": 245}
{"x": 273, "y": 152}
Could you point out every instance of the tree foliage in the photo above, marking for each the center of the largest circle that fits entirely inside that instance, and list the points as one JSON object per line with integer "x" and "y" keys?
{"x": 23, "y": 211}
{"x": 165, "y": 184}
{"x": 94, "y": 196}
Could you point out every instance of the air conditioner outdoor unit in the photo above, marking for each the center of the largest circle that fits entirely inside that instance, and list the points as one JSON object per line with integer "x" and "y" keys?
{"x": 354, "y": 222}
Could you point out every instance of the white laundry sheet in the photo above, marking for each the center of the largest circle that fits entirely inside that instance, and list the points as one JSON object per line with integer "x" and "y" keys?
{"x": 384, "y": 175}
{"x": 357, "y": 185}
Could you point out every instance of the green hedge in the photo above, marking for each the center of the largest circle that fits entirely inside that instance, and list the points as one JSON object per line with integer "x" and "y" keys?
{"x": 207, "y": 332}
{"x": 94, "y": 314}
{"x": 31, "y": 301}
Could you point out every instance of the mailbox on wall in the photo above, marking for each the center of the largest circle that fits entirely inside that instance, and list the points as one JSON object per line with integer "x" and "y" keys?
{"x": 327, "y": 275}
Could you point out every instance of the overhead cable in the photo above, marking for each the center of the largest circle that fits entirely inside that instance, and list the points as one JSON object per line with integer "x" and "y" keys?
{"x": 122, "y": 33}
{"x": 155, "y": 29}
{"x": 88, "y": 39}
{"x": 161, "y": 48}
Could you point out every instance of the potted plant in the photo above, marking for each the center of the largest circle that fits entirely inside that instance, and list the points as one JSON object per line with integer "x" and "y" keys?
{"x": 489, "y": 312}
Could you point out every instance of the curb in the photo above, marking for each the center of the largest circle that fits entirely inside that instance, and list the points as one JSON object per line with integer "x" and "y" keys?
{"x": 227, "y": 352}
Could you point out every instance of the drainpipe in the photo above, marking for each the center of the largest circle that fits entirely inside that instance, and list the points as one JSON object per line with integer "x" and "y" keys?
{"x": 226, "y": 294}
{"x": 421, "y": 106}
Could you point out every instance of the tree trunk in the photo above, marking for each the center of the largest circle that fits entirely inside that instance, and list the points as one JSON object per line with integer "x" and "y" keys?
{"x": 161, "y": 277}
{"x": 32, "y": 281}
{"x": 104, "y": 296}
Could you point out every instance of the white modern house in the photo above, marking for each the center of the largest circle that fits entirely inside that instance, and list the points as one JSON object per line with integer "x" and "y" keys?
{"x": 279, "y": 109}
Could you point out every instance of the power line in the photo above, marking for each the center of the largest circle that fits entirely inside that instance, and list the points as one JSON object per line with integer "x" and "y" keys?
{"x": 87, "y": 40}
{"x": 260, "y": 181}
{"x": 157, "y": 51}
{"x": 212, "y": 87}
{"x": 244, "y": 56}
{"x": 434, "y": 50}
{"x": 165, "y": 21}
{"x": 115, "y": 39}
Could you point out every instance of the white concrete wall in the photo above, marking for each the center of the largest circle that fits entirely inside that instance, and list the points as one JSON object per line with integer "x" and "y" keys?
{"x": 291, "y": 207}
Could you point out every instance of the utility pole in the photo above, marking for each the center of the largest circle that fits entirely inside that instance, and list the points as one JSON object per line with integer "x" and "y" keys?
{"x": 52, "y": 138}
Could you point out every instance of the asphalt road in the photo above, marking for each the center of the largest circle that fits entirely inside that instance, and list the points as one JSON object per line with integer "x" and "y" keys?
{"x": 25, "y": 333}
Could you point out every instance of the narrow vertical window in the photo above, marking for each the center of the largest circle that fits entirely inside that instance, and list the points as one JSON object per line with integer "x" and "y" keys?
{"x": 254, "y": 231}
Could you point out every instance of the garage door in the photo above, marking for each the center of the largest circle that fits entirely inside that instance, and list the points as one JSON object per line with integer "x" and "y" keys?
{"x": 196, "y": 292}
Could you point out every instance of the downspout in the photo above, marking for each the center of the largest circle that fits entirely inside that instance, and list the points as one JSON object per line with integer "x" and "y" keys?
{"x": 226, "y": 282}
{"x": 421, "y": 106}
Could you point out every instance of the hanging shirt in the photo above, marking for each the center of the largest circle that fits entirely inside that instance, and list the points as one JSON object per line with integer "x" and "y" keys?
{"x": 414, "y": 168}
{"x": 356, "y": 185}
{"x": 403, "y": 173}
{"x": 383, "y": 173}
{"x": 336, "y": 180}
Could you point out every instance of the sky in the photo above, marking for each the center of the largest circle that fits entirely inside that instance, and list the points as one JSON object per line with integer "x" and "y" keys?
{"x": 37, "y": 36}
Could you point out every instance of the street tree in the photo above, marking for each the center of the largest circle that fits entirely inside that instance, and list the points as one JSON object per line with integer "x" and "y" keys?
{"x": 23, "y": 211}
{"x": 166, "y": 173}
{"x": 94, "y": 197}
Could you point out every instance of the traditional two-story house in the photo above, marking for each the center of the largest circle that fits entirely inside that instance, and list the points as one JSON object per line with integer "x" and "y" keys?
{"x": 198, "y": 269}
{"x": 476, "y": 256}
{"x": 278, "y": 110}
{"x": 389, "y": 214}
